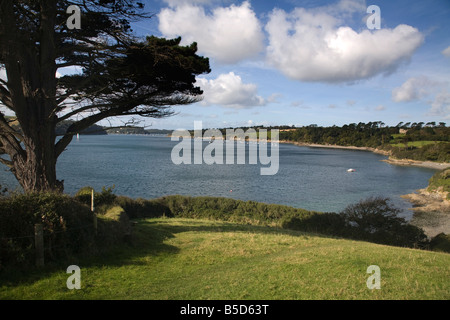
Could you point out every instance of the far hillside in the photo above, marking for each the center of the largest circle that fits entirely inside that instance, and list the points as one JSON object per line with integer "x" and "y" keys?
{"x": 417, "y": 141}
{"x": 62, "y": 127}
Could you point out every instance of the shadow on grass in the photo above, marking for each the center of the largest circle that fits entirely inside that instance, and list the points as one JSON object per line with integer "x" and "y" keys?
{"x": 149, "y": 239}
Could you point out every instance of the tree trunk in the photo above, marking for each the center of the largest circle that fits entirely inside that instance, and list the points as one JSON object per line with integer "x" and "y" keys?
{"x": 31, "y": 68}
{"x": 36, "y": 171}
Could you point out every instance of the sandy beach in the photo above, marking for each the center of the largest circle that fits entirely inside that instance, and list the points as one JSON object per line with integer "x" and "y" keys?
{"x": 424, "y": 164}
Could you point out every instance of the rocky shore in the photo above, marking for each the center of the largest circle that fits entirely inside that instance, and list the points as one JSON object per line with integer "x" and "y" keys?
{"x": 431, "y": 208}
{"x": 431, "y": 211}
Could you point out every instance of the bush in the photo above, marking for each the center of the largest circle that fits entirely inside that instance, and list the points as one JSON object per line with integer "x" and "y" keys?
{"x": 440, "y": 181}
{"x": 113, "y": 227}
{"x": 440, "y": 242}
{"x": 67, "y": 225}
{"x": 324, "y": 223}
{"x": 141, "y": 208}
{"x": 376, "y": 220}
{"x": 373, "y": 220}
{"x": 231, "y": 210}
{"x": 439, "y": 152}
{"x": 102, "y": 200}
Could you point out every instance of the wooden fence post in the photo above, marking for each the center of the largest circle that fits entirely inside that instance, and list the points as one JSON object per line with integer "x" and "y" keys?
{"x": 93, "y": 211}
{"x": 39, "y": 244}
{"x": 92, "y": 200}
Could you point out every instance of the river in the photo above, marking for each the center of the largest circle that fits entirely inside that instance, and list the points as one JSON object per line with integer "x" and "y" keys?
{"x": 307, "y": 177}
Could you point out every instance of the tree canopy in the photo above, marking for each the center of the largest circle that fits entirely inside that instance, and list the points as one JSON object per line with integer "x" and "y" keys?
{"x": 118, "y": 74}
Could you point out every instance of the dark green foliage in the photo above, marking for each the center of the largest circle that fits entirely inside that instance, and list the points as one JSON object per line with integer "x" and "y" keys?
{"x": 102, "y": 200}
{"x": 69, "y": 231}
{"x": 439, "y": 152}
{"x": 120, "y": 75}
{"x": 67, "y": 223}
{"x": 440, "y": 181}
{"x": 68, "y": 227}
{"x": 376, "y": 135}
{"x": 440, "y": 242}
{"x": 373, "y": 219}
{"x": 323, "y": 223}
{"x": 142, "y": 208}
{"x": 225, "y": 209}
{"x": 113, "y": 227}
{"x": 372, "y": 134}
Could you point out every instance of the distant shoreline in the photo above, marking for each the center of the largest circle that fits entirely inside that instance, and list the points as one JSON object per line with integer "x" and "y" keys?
{"x": 423, "y": 164}
{"x": 390, "y": 160}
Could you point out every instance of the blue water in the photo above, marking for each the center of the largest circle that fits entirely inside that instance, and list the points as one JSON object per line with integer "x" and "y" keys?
{"x": 310, "y": 178}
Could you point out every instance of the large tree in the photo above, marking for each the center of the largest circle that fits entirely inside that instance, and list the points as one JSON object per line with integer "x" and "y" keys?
{"x": 118, "y": 74}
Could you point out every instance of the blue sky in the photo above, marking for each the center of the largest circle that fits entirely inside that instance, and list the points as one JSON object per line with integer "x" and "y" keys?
{"x": 297, "y": 62}
{"x": 301, "y": 62}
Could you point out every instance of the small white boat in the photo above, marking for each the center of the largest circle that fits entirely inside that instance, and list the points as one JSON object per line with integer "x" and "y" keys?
{"x": 351, "y": 170}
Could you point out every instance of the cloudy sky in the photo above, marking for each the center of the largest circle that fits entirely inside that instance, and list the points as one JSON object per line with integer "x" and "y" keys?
{"x": 301, "y": 62}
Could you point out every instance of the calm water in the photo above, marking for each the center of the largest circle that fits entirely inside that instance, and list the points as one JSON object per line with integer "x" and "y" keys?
{"x": 310, "y": 178}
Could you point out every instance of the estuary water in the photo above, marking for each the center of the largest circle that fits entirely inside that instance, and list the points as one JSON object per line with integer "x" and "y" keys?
{"x": 309, "y": 178}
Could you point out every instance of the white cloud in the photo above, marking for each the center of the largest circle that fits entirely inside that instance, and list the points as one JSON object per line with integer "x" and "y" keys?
{"x": 412, "y": 89}
{"x": 313, "y": 45}
{"x": 434, "y": 93}
{"x": 228, "y": 34}
{"x": 441, "y": 105}
{"x": 446, "y": 52}
{"x": 228, "y": 90}
{"x": 380, "y": 108}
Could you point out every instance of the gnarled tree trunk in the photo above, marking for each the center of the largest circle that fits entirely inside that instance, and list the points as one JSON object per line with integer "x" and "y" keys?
{"x": 31, "y": 83}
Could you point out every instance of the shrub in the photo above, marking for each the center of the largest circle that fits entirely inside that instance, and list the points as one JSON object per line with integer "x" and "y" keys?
{"x": 230, "y": 210}
{"x": 324, "y": 223}
{"x": 102, "y": 200}
{"x": 440, "y": 181}
{"x": 67, "y": 225}
{"x": 141, "y": 208}
{"x": 375, "y": 219}
{"x": 440, "y": 242}
{"x": 113, "y": 227}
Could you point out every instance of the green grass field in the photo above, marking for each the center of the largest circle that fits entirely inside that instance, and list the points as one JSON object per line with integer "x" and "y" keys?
{"x": 173, "y": 258}
{"x": 416, "y": 144}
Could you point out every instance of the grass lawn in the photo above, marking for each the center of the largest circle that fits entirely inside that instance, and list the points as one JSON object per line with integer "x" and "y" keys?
{"x": 416, "y": 144}
{"x": 200, "y": 259}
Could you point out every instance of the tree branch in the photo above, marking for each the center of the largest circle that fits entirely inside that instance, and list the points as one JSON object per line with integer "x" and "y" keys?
{"x": 7, "y": 163}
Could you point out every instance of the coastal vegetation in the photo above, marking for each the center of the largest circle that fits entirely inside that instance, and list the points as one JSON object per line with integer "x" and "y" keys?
{"x": 416, "y": 141}
{"x": 198, "y": 259}
{"x": 181, "y": 247}
{"x": 440, "y": 182}
{"x": 154, "y": 247}
{"x": 429, "y": 142}
{"x": 69, "y": 227}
